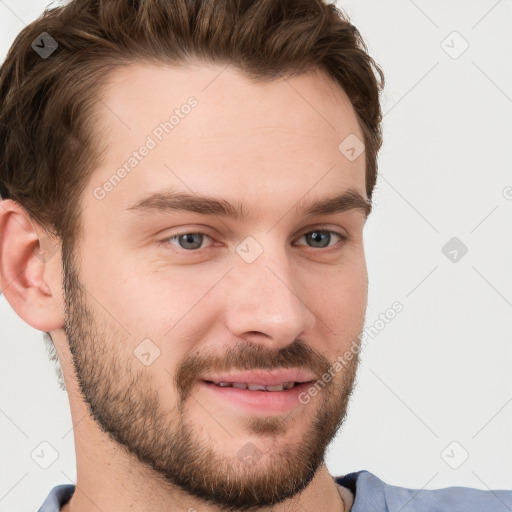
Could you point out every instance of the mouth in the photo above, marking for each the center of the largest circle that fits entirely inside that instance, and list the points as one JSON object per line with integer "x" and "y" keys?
{"x": 261, "y": 380}
{"x": 256, "y": 398}
{"x": 257, "y": 387}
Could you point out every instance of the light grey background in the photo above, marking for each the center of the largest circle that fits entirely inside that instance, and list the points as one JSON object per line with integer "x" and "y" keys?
{"x": 434, "y": 385}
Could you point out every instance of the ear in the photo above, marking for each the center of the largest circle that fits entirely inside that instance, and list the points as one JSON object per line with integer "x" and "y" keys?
{"x": 30, "y": 269}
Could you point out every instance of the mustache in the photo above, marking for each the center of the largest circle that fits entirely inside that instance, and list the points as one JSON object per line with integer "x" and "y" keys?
{"x": 245, "y": 355}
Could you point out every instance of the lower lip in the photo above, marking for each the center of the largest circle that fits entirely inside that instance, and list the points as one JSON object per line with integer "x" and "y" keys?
{"x": 266, "y": 401}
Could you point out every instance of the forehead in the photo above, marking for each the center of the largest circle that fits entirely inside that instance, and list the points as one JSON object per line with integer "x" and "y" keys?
{"x": 211, "y": 130}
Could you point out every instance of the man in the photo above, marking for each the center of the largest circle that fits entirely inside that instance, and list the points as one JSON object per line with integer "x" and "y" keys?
{"x": 190, "y": 236}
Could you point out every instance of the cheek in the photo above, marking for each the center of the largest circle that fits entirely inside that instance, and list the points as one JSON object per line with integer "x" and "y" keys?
{"x": 339, "y": 298}
{"x": 141, "y": 298}
{"x": 343, "y": 309}
{"x": 170, "y": 307}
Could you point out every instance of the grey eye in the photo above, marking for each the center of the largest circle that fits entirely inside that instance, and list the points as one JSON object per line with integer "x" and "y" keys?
{"x": 319, "y": 238}
{"x": 189, "y": 240}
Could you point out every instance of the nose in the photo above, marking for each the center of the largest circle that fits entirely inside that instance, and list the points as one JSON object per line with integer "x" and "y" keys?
{"x": 265, "y": 301}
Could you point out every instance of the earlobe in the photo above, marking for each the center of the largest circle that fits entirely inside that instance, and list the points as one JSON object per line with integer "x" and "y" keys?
{"x": 29, "y": 269}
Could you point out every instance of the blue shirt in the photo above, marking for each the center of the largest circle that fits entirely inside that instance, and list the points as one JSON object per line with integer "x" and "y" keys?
{"x": 373, "y": 495}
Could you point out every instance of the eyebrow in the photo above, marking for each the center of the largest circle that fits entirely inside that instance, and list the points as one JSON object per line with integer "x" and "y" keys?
{"x": 168, "y": 201}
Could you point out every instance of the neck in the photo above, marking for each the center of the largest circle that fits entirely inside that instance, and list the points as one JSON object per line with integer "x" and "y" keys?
{"x": 334, "y": 498}
{"x": 107, "y": 480}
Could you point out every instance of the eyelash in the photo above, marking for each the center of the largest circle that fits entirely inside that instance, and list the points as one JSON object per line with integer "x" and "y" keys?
{"x": 343, "y": 238}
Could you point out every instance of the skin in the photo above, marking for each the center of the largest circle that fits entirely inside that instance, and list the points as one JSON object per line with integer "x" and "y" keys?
{"x": 148, "y": 437}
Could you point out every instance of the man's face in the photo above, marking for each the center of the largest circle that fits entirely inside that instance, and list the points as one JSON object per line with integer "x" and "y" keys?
{"x": 151, "y": 315}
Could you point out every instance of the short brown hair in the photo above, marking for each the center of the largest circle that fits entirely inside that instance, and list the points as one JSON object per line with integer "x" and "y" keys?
{"x": 48, "y": 145}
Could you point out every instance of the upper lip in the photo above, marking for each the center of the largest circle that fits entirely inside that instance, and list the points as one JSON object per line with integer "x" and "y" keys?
{"x": 263, "y": 377}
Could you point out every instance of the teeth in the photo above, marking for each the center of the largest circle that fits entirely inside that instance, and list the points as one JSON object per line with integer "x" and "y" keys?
{"x": 277, "y": 387}
{"x": 256, "y": 387}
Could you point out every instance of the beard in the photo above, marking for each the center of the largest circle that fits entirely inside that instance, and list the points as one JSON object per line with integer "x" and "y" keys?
{"x": 123, "y": 400}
